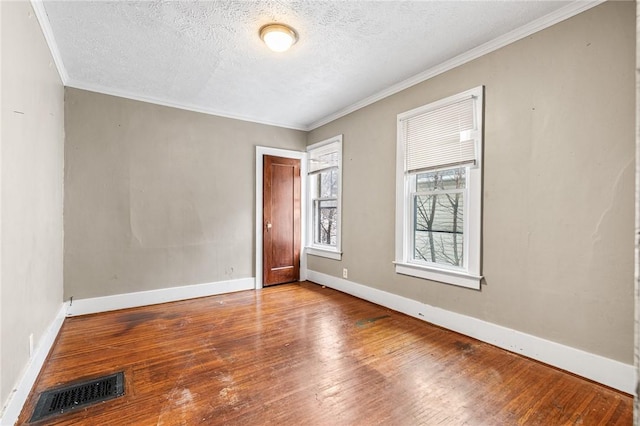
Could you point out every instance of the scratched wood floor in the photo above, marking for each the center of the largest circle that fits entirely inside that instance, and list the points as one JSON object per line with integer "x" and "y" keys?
{"x": 300, "y": 354}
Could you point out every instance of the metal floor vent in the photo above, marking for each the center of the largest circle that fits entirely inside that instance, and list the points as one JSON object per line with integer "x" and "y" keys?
{"x": 70, "y": 397}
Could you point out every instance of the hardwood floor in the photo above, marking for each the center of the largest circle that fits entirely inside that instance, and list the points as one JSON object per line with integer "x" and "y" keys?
{"x": 302, "y": 354}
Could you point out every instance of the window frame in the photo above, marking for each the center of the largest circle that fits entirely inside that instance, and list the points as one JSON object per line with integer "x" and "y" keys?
{"x": 313, "y": 248}
{"x": 469, "y": 275}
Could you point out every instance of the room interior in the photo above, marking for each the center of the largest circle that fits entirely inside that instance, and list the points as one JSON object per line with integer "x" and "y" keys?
{"x": 114, "y": 199}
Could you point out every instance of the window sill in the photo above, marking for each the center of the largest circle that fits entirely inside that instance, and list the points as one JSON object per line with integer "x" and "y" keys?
{"x": 458, "y": 278}
{"x": 330, "y": 254}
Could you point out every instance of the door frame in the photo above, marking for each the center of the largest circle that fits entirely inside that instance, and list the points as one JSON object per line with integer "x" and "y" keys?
{"x": 261, "y": 151}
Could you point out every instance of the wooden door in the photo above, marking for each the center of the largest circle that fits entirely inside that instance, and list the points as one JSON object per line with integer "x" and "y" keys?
{"x": 281, "y": 216}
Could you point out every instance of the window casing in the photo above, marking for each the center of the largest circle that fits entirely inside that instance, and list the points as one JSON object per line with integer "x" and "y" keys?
{"x": 439, "y": 190}
{"x": 325, "y": 191}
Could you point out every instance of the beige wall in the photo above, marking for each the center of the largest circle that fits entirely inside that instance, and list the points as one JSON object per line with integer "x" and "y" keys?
{"x": 558, "y": 185}
{"x": 32, "y": 191}
{"x": 158, "y": 197}
{"x": 636, "y": 402}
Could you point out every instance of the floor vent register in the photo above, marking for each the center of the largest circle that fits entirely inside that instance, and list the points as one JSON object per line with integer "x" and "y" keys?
{"x": 70, "y": 397}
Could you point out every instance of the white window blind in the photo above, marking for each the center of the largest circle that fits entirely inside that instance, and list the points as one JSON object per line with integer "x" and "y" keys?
{"x": 444, "y": 136}
{"x": 323, "y": 158}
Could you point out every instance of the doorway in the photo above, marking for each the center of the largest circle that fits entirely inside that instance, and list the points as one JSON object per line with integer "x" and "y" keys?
{"x": 261, "y": 223}
{"x": 281, "y": 216}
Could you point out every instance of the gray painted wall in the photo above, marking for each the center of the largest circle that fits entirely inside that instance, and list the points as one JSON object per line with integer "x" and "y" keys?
{"x": 158, "y": 197}
{"x": 558, "y": 217}
{"x": 32, "y": 190}
{"x": 636, "y": 401}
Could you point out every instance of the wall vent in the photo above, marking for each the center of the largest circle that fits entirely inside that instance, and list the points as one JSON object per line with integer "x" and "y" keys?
{"x": 70, "y": 397}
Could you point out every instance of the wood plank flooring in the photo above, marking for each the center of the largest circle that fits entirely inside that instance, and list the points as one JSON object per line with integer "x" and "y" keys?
{"x": 300, "y": 354}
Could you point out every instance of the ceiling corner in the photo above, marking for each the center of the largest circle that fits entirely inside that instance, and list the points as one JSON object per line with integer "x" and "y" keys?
{"x": 45, "y": 25}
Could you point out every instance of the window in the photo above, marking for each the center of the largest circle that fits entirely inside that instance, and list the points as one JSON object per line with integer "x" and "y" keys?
{"x": 439, "y": 190}
{"x": 325, "y": 187}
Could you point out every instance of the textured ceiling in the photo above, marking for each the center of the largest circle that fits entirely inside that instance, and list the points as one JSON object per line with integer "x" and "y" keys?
{"x": 207, "y": 56}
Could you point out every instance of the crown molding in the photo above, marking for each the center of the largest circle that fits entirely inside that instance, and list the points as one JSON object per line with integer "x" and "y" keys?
{"x": 45, "y": 25}
{"x": 184, "y": 106}
{"x": 566, "y": 12}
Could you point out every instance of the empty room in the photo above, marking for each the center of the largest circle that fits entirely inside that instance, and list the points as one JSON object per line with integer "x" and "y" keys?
{"x": 320, "y": 213}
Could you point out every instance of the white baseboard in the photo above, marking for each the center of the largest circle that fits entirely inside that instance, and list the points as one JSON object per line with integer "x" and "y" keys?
{"x": 103, "y": 304}
{"x": 20, "y": 394}
{"x": 153, "y": 297}
{"x": 603, "y": 370}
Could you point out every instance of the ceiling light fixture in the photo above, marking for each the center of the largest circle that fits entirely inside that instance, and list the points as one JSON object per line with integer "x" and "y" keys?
{"x": 278, "y": 37}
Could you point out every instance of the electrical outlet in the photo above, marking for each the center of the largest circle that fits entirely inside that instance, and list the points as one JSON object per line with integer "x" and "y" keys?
{"x": 345, "y": 273}
{"x": 30, "y": 345}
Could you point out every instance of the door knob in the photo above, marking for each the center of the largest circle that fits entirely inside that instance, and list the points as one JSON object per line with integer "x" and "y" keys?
{"x": 269, "y": 226}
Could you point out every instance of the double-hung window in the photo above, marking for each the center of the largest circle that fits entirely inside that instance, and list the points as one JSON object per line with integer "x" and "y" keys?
{"x": 439, "y": 190}
{"x": 325, "y": 187}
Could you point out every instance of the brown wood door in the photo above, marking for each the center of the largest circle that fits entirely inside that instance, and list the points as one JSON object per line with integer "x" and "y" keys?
{"x": 281, "y": 216}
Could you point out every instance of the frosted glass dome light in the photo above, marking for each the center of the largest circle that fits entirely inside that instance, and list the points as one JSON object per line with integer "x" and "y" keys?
{"x": 278, "y": 37}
